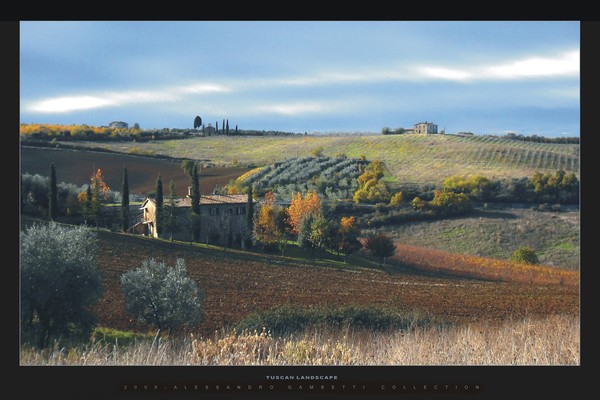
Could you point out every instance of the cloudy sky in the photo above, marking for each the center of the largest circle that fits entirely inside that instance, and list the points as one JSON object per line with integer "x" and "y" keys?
{"x": 313, "y": 76}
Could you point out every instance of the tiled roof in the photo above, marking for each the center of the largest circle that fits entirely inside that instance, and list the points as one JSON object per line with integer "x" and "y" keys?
{"x": 208, "y": 199}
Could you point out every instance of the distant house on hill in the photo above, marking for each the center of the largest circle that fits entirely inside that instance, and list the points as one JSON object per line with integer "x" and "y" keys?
{"x": 425, "y": 127}
{"x": 222, "y": 218}
{"x": 209, "y": 129}
{"x": 119, "y": 124}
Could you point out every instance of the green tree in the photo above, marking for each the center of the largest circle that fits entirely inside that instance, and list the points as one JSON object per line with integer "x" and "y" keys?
{"x": 195, "y": 189}
{"x": 88, "y": 212}
{"x": 170, "y": 211}
{"x": 162, "y": 296}
{"x": 525, "y": 255}
{"x": 60, "y": 282}
{"x": 187, "y": 166}
{"x": 159, "y": 201}
{"x": 197, "y": 122}
{"x": 52, "y": 194}
{"x": 125, "y": 201}
{"x": 380, "y": 246}
{"x": 227, "y": 127}
{"x": 450, "y": 203}
{"x": 223, "y": 126}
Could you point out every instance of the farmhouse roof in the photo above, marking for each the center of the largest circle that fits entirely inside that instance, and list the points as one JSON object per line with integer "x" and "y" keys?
{"x": 206, "y": 199}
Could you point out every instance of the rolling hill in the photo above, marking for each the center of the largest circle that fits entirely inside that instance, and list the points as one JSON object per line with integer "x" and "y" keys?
{"x": 410, "y": 158}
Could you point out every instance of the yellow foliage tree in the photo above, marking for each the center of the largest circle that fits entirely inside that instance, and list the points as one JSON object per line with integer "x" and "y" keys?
{"x": 300, "y": 207}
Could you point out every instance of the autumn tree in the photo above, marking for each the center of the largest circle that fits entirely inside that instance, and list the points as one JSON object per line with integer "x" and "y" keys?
{"x": 125, "y": 201}
{"x": 380, "y": 246}
{"x": 266, "y": 230}
{"x": 52, "y": 194}
{"x": 348, "y": 237}
{"x": 300, "y": 207}
{"x": 449, "y": 203}
{"x": 396, "y": 200}
{"x": 371, "y": 189}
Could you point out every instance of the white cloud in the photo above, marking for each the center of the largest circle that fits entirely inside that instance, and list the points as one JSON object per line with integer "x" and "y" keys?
{"x": 566, "y": 64}
{"x": 70, "y": 103}
{"x": 296, "y": 108}
{"x": 113, "y": 99}
{"x": 446, "y": 73}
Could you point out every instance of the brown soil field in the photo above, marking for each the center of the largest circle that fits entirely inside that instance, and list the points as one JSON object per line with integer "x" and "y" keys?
{"x": 238, "y": 283}
{"x": 78, "y": 166}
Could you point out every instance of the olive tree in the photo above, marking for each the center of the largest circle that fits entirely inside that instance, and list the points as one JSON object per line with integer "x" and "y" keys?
{"x": 162, "y": 296}
{"x": 60, "y": 282}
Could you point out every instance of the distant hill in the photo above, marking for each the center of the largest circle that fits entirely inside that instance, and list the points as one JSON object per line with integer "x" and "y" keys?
{"x": 410, "y": 158}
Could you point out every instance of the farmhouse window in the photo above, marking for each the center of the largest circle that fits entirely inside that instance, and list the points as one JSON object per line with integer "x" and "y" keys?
{"x": 210, "y": 210}
{"x": 216, "y": 210}
{"x": 238, "y": 211}
{"x": 230, "y": 211}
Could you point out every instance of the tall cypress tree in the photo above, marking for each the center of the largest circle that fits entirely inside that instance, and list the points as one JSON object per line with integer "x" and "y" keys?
{"x": 159, "y": 204}
{"x": 171, "y": 217}
{"x": 195, "y": 190}
{"x": 52, "y": 194}
{"x": 236, "y": 129}
{"x": 227, "y": 127}
{"x": 125, "y": 201}
{"x": 250, "y": 212}
{"x": 88, "y": 207}
{"x": 195, "y": 213}
{"x": 223, "y": 126}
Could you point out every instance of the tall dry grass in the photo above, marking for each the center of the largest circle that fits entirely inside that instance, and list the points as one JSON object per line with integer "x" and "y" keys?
{"x": 553, "y": 340}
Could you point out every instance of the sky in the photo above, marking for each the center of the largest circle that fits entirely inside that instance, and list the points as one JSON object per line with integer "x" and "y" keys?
{"x": 488, "y": 77}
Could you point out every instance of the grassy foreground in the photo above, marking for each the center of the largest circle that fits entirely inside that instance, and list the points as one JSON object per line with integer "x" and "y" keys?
{"x": 553, "y": 340}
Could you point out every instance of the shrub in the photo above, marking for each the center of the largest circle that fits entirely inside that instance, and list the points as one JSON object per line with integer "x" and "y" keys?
{"x": 289, "y": 319}
{"x": 162, "y": 296}
{"x": 59, "y": 282}
{"x": 525, "y": 255}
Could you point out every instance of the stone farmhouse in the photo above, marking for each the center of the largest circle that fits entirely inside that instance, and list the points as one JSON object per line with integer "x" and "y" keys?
{"x": 223, "y": 218}
{"x": 424, "y": 127}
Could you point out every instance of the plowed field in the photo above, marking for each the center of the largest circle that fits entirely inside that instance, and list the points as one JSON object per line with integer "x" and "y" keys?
{"x": 77, "y": 167}
{"x": 237, "y": 284}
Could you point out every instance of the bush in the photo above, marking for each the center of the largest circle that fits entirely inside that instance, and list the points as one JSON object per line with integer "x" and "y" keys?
{"x": 162, "y": 296}
{"x": 289, "y": 319}
{"x": 59, "y": 282}
{"x": 525, "y": 255}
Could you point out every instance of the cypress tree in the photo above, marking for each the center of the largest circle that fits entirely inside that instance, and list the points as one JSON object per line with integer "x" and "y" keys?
{"x": 250, "y": 213}
{"x": 52, "y": 194}
{"x": 195, "y": 212}
{"x": 171, "y": 221}
{"x": 125, "y": 201}
{"x": 236, "y": 129}
{"x": 227, "y": 127}
{"x": 87, "y": 210}
{"x": 223, "y": 126}
{"x": 159, "y": 204}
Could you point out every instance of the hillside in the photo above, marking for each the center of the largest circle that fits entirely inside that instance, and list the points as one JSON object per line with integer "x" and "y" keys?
{"x": 237, "y": 284}
{"x": 410, "y": 158}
